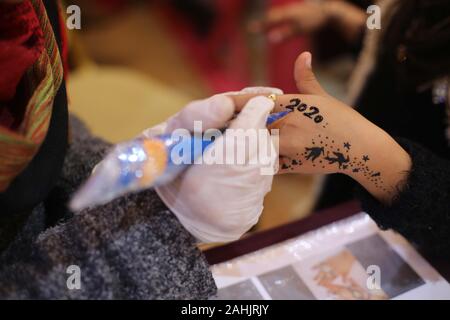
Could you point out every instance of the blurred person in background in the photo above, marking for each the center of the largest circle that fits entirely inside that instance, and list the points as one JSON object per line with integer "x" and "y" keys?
{"x": 400, "y": 88}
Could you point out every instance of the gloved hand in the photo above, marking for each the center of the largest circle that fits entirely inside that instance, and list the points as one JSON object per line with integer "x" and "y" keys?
{"x": 220, "y": 202}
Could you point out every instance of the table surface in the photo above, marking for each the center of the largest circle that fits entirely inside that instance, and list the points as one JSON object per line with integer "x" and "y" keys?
{"x": 262, "y": 239}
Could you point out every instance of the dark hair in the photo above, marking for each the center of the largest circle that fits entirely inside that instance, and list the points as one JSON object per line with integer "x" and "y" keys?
{"x": 420, "y": 31}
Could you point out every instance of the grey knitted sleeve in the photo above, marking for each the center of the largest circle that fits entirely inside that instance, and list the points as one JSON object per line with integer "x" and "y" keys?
{"x": 131, "y": 248}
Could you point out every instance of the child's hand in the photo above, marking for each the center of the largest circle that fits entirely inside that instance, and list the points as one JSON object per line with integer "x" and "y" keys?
{"x": 285, "y": 21}
{"x": 323, "y": 135}
{"x": 319, "y": 135}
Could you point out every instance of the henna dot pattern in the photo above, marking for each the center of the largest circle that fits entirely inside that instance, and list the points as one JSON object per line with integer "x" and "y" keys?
{"x": 347, "y": 145}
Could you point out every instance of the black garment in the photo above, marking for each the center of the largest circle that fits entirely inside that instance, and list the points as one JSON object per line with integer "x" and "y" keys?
{"x": 421, "y": 212}
{"x": 131, "y": 248}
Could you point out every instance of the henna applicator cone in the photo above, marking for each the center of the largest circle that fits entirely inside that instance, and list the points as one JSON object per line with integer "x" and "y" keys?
{"x": 140, "y": 164}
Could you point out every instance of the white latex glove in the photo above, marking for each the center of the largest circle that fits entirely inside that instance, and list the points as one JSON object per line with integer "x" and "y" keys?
{"x": 214, "y": 112}
{"x": 220, "y": 202}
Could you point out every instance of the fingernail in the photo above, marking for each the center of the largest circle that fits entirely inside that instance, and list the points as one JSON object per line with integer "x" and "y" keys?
{"x": 262, "y": 90}
{"x": 308, "y": 60}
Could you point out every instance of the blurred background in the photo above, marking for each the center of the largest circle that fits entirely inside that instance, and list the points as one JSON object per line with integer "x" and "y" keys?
{"x": 136, "y": 62}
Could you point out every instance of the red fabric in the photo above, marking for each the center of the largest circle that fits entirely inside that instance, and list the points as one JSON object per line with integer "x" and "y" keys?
{"x": 21, "y": 43}
{"x": 222, "y": 58}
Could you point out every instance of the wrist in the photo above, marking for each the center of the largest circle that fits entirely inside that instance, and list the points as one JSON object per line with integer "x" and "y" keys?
{"x": 388, "y": 165}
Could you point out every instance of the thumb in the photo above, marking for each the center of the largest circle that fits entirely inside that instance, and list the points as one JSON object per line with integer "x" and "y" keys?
{"x": 304, "y": 76}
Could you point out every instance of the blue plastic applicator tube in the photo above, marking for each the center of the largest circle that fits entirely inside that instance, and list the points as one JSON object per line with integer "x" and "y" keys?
{"x": 128, "y": 166}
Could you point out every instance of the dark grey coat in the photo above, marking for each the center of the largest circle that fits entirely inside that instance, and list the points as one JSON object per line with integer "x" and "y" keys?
{"x": 131, "y": 248}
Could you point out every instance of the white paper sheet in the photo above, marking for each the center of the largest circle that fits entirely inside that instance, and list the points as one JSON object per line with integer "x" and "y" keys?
{"x": 336, "y": 261}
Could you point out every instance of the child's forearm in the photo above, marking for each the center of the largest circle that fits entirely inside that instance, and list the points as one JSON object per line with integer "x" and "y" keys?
{"x": 386, "y": 166}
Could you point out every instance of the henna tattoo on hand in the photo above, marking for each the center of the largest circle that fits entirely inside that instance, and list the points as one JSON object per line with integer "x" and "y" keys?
{"x": 293, "y": 164}
{"x": 347, "y": 145}
{"x": 339, "y": 159}
{"x": 311, "y": 112}
{"x": 314, "y": 152}
{"x": 324, "y": 149}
